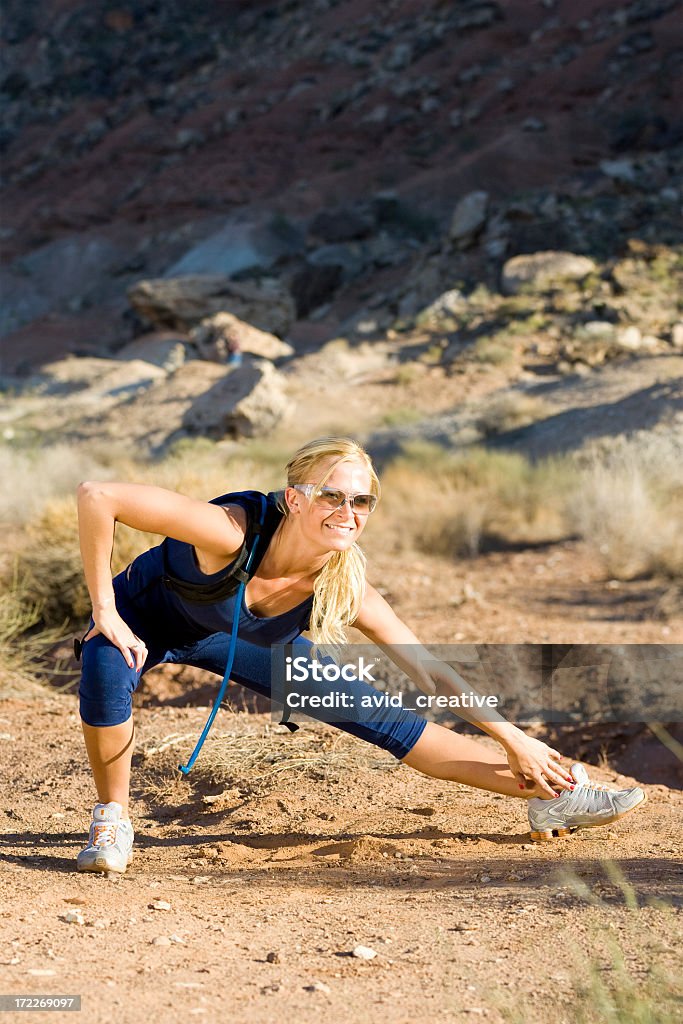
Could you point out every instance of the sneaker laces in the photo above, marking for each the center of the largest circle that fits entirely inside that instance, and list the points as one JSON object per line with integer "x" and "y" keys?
{"x": 104, "y": 833}
{"x": 590, "y": 797}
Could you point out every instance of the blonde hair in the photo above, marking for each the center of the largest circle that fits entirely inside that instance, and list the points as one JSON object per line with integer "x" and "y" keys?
{"x": 340, "y": 585}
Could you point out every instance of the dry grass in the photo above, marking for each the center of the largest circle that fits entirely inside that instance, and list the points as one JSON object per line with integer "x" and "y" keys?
{"x": 457, "y": 503}
{"x": 606, "y": 988}
{"x": 22, "y": 650}
{"x": 33, "y": 477}
{"x": 630, "y": 506}
{"x": 254, "y": 758}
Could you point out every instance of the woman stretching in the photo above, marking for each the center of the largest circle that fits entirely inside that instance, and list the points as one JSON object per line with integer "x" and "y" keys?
{"x": 307, "y": 573}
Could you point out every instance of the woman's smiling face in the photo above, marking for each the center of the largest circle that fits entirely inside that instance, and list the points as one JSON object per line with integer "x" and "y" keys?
{"x": 337, "y": 529}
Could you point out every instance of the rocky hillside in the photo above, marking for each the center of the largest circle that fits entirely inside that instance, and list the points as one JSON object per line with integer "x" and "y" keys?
{"x": 366, "y": 159}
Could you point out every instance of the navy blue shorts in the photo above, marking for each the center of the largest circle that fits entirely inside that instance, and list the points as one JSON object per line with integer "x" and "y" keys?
{"x": 107, "y": 685}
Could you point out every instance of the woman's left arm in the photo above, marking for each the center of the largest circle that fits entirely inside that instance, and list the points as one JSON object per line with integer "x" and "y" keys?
{"x": 529, "y": 759}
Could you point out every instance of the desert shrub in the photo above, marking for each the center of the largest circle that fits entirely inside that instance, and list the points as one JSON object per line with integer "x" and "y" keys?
{"x": 22, "y": 646}
{"x": 510, "y": 411}
{"x": 456, "y": 503}
{"x": 629, "y": 505}
{"x": 490, "y": 350}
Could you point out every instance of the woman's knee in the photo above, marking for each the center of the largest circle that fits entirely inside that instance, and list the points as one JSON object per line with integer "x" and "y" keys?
{"x": 107, "y": 684}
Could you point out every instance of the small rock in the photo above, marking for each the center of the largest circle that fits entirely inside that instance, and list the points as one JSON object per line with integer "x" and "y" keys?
{"x": 540, "y": 270}
{"x": 469, "y": 218}
{"x": 400, "y": 57}
{"x": 677, "y": 335}
{"x": 485, "y": 878}
{"x": 630, "y": 338}
{"x": 177, "y": 938}
{"x": 533, "y": 124}
{"x": 73, "y": 917}
{"x": 159, "y": 905}
{"x": 618, "y": 170}
{"x": 429, "y": 105}
{"x": 363, "y": 953}
{"x": 318, "y": 986}
{"x": 377, "y": 115}
{"x": 161, "y": 940}
{"x": 273, "y": 957}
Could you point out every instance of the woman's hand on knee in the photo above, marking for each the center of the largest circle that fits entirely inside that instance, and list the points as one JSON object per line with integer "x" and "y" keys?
{"x": 110, "y": 624}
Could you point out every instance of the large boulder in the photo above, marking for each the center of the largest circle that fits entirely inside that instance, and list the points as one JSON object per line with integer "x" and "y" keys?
{"x": 241, "y": 245}
{"x": 220, "y": 336}
{"x": 539, "y": 271}
{"x": 183, "y": 302}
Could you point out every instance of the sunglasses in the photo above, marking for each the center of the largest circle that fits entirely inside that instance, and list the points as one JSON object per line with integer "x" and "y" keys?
{"x": 331, "y": 498}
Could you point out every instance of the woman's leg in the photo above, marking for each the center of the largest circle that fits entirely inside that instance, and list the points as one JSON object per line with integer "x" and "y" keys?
{"x": 444, "y": 754}
{"x": 106, "y": 689}
{"x": 110, "y": 752}
{"x": 425, "y": 746}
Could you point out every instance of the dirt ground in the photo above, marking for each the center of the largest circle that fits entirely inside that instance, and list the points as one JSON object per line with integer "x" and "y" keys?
{"x": 251, "y": 886}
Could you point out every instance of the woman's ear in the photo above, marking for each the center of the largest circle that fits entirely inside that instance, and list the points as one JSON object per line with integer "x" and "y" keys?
{"x": 292, "y": 497}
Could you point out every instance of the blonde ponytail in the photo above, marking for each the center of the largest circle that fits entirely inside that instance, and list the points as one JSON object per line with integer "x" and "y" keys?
{"x": 340, "y": 585}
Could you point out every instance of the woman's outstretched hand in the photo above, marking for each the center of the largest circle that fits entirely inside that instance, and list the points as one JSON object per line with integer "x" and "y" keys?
{"x": 110, "y": 624}
{"x": 535, "y": 765}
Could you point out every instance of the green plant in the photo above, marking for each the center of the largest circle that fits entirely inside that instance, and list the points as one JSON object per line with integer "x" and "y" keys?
{"x": 488, "y": 350}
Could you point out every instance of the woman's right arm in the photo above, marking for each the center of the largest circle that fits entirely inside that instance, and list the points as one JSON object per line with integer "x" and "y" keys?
{"x": 152, "y": 509}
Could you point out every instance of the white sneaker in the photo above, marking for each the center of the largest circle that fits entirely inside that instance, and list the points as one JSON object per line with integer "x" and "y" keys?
{"x": 110, "y": 841}
{"x": 586, "y": 806}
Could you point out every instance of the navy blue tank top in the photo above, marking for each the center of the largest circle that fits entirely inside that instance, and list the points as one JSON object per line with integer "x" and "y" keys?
{"x": 175, "y": 621}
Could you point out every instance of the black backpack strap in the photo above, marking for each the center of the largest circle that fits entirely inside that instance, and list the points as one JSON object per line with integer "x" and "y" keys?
{"x": 226, "y": 586}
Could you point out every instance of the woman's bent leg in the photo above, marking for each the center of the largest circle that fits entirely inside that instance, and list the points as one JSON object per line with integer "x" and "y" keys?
{"x": 106, "y": 689}
{"x": 110, "y": 751}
